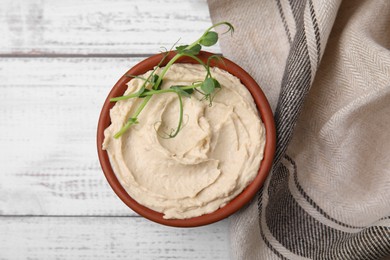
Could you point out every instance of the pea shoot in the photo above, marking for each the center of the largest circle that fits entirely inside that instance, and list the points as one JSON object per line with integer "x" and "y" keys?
{"x": 152, "y": 84}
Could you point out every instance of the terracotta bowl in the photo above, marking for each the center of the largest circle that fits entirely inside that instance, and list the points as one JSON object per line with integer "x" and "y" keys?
{"x": 234, "y": 205}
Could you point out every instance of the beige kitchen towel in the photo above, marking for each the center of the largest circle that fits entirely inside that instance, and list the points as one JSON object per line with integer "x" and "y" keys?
{"x": 325, "y": 67}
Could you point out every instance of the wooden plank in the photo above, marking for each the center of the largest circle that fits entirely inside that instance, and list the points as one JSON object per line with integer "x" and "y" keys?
{"x": 49, "y": 110}
{"x": 91, "y": 27}
{"x": 108, "y": 238}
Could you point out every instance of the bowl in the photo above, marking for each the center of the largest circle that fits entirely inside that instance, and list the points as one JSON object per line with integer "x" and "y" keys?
{"x": 238, "y": 202}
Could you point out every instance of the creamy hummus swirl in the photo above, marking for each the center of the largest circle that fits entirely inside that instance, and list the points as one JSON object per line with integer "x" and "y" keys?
{"x": 214, "y": 157}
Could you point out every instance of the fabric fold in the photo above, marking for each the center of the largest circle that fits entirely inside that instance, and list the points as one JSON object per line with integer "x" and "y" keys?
{"x": 325, "y": 68}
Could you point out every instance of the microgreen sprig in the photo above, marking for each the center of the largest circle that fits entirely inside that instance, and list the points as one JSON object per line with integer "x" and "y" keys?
{"x": 152, "y": 84}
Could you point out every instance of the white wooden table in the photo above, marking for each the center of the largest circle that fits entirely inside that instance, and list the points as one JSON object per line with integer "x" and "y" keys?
{"x": 58, "y": 61}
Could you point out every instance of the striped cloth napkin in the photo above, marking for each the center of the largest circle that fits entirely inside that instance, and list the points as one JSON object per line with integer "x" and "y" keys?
{"x": 325, "y": 68}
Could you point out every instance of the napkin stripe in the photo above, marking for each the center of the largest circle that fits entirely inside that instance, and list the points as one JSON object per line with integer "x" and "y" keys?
{"x": 295, "y": 83}
{"x": 316, "y": 30}
{"x": 283, "y": 17}
{"x": 297, "y": 7}
{"x": 311, "y": 201}
{"x": 303, "y": 235}
{"x": 263, "y": 236}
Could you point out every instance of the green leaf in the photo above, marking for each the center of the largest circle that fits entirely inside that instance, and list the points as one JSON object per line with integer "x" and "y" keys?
{"x": 182, "y": 92}
{"x": 133, "y": 120}
{"x": 154, "y": 81}
{"x": 154, "y": 78}
{"x": 209, "y": 85}
{"x": 181, "y": 48}
{"x": 217, "y": 85}
{"x": 209, "y": 39}
{"x": 180, "y": 88}
{"x": 142, "y": 95}
{"x": 189, "y": 91}
{"x": 194, "y": 50}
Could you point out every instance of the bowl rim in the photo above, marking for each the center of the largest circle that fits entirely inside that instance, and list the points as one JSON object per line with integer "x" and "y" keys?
{"x": 240, "y": 200}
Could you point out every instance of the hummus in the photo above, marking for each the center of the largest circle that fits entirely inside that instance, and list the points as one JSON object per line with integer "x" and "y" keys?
{"x": 216, "y": 154}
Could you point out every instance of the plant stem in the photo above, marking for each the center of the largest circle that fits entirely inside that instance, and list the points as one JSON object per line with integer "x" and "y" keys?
{"x": 180, "y": 117}
{"x": 145, "y": 94}
{"x": 169, "y": 64}
{"x": 123, "y": 129}
{"x": 141, "y": 107}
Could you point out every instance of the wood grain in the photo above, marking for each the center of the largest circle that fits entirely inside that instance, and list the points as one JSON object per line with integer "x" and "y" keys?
{"x": 89, "y": 27}
{"x": 107, "y": 238}
{"x": 49, "y": 110}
